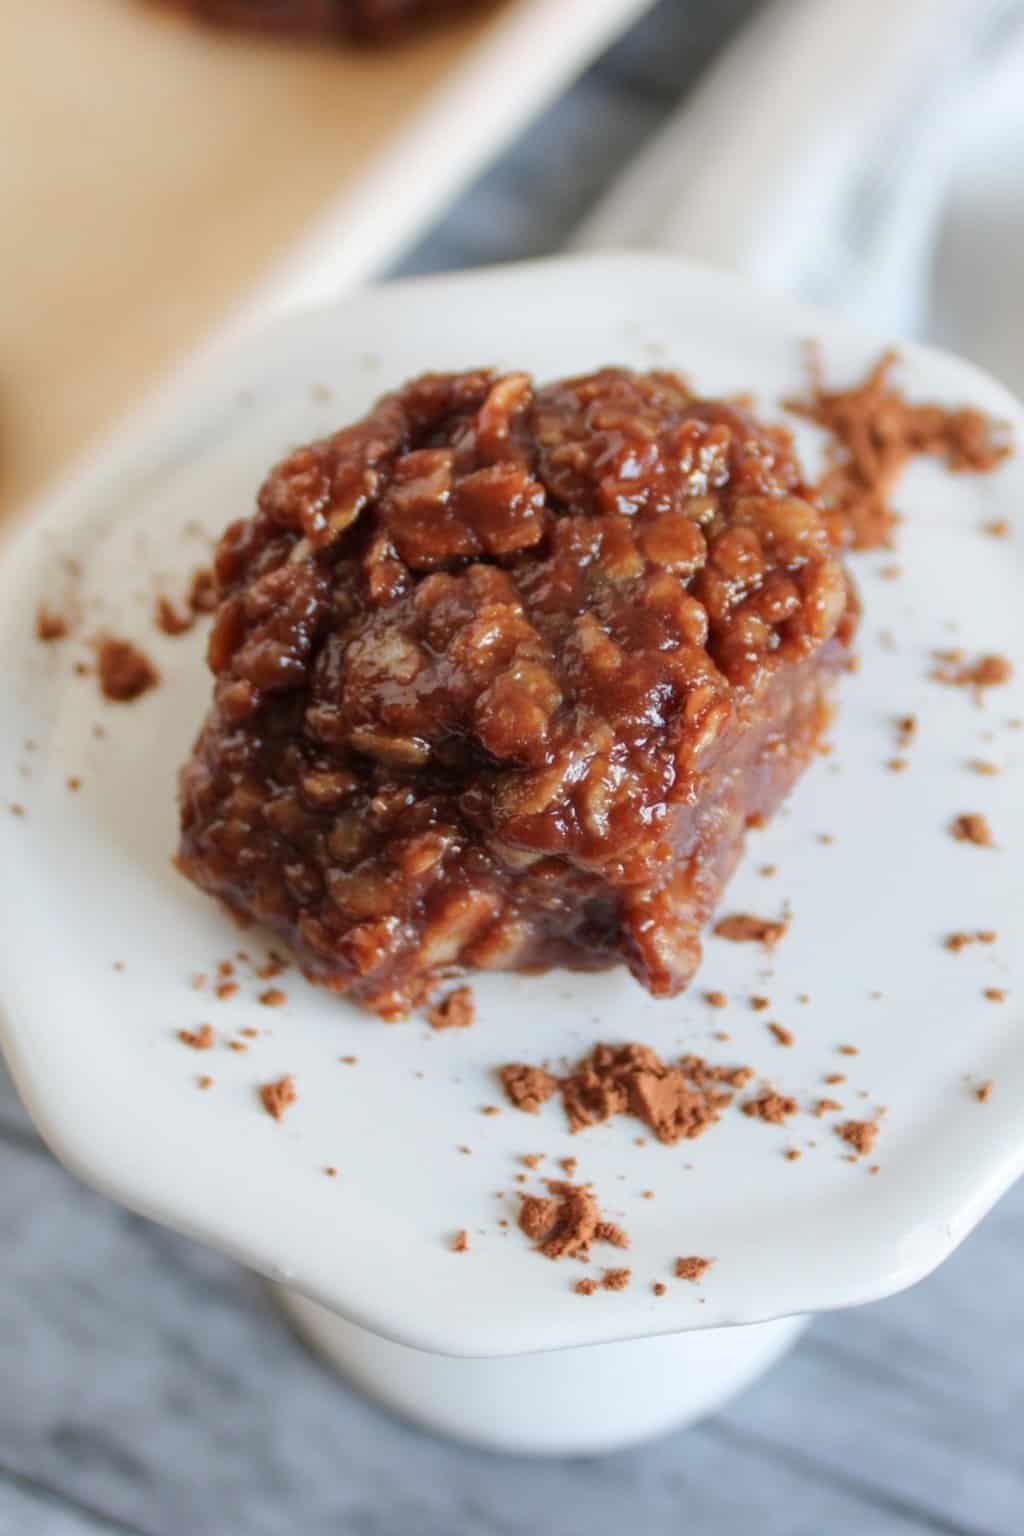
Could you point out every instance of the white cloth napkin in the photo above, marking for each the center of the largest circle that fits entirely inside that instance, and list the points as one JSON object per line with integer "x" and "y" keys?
{"x": 864, "y": 154}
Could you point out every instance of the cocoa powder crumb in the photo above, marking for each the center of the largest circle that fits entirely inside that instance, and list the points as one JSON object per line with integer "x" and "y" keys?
{"x": 226, "y": 968}
{"x": 835, "y": 1077}
{"x": 767, "y": 870}
{"x": 204, "y": 1082}
{"x": 957, "y": 941}
{"x": 585, "y": 1287}
{"x": 994, "y": 994}
{"x": 169, "y": 620}
{"x": 226, "y": 989}
{"x": 273, "y": 997}
{"x": 859, "y": 1134}
{"x": 331, "y": 1172}
{"x": 460, "y": 1242}
{"x": 238, "y": 1046}
{"x": 983, "y": 1092}
{"x": 562, "y": 1225}
{"x": 74, "y": 783}
{"x": 611, "y": 1232}
{"x": 659, "y": 1288}
{"x": 490, "y": 1109}
{"x": 982, "y": 766}
{"x": 792, "y": 1154}
{"x": 986, "y": 672}
{"x": 772, "y": 1108}
{"x": 675, "y": 1102}
{"x": 276, "y": 1097}
{"x": 692, "y": 1268}
{"x": 760, "y": 1003}
{"x": 250, "y": 1033}
{"x": 852, "y": 1050}
{"x": 532, "y": 1159}
{"x": 826, "y": 1107}
{"x": 897, "y": 765}
{"x": 50, "y": 625}
{"x": 200, "y": 1039}
{"x": 125, "y": 672}
{"x": 568, "y": 1165}
{"x": 455, "y": 1011}
{"x": 744, "y": 928}
{"x": 906, "y": 730}
{"x": 527, "y": 1087}
{"x": 716, "y": 999}
{"x": 349, "y": 1061}
{"x": 972, "y": 827}
{"x": 616, "y": 1279}
{"x": 783, "y": 1035}
{"x": 875, "y": 431}
{"x": 997, "y": 528}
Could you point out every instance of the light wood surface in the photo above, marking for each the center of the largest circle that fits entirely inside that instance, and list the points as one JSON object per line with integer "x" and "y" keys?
{"x": 150, "y": 170}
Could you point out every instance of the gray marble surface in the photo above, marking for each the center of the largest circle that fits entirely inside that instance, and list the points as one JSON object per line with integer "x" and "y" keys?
{"x": 149, "y": 1387}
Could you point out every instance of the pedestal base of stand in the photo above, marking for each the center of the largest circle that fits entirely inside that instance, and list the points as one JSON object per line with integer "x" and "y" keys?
{"x": 561, "y": 1403}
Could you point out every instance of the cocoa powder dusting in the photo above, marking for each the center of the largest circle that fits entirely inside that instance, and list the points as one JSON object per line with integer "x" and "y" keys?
{"x": 744, "y": 928}
{"x": 564, "y": 1224}
{"x": 972, "y": 827}
{"x": 460, "y": 1242}
{"x": 772, "y": 1108}
{"x": 170, "y": 620}
{"x": 861, "y": 1135}
{"x": 455, "y": 1011}
{"x": 527, "y": 1087}
{"x": 692, "y": 1268}
{"x": 875, "y": 431}
{"x": 783, "y": 1035}
{"x": 677, "y": 1102}
{"x": 986, "y": 672}
{"x": 125, "y": 672}
{"x": 611, "y": 1232}
{"x": 50, "y": 625}
{"x": 200, "y": 1039}
{"x": 276, "y": 1097}
{"x": 616, "y": 1279}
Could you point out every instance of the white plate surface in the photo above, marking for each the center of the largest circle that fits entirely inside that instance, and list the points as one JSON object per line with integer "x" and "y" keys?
{"x": 89, "y": 882}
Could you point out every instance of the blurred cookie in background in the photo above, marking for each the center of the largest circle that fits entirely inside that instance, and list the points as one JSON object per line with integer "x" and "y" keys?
{"x": 358, "y": 21}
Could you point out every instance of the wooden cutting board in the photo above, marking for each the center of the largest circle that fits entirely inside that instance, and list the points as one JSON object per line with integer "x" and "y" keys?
{"x": 150, "y": 170}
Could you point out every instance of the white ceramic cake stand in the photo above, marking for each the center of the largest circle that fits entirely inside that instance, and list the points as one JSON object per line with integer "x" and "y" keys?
{"x": 489, "y": 1344}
